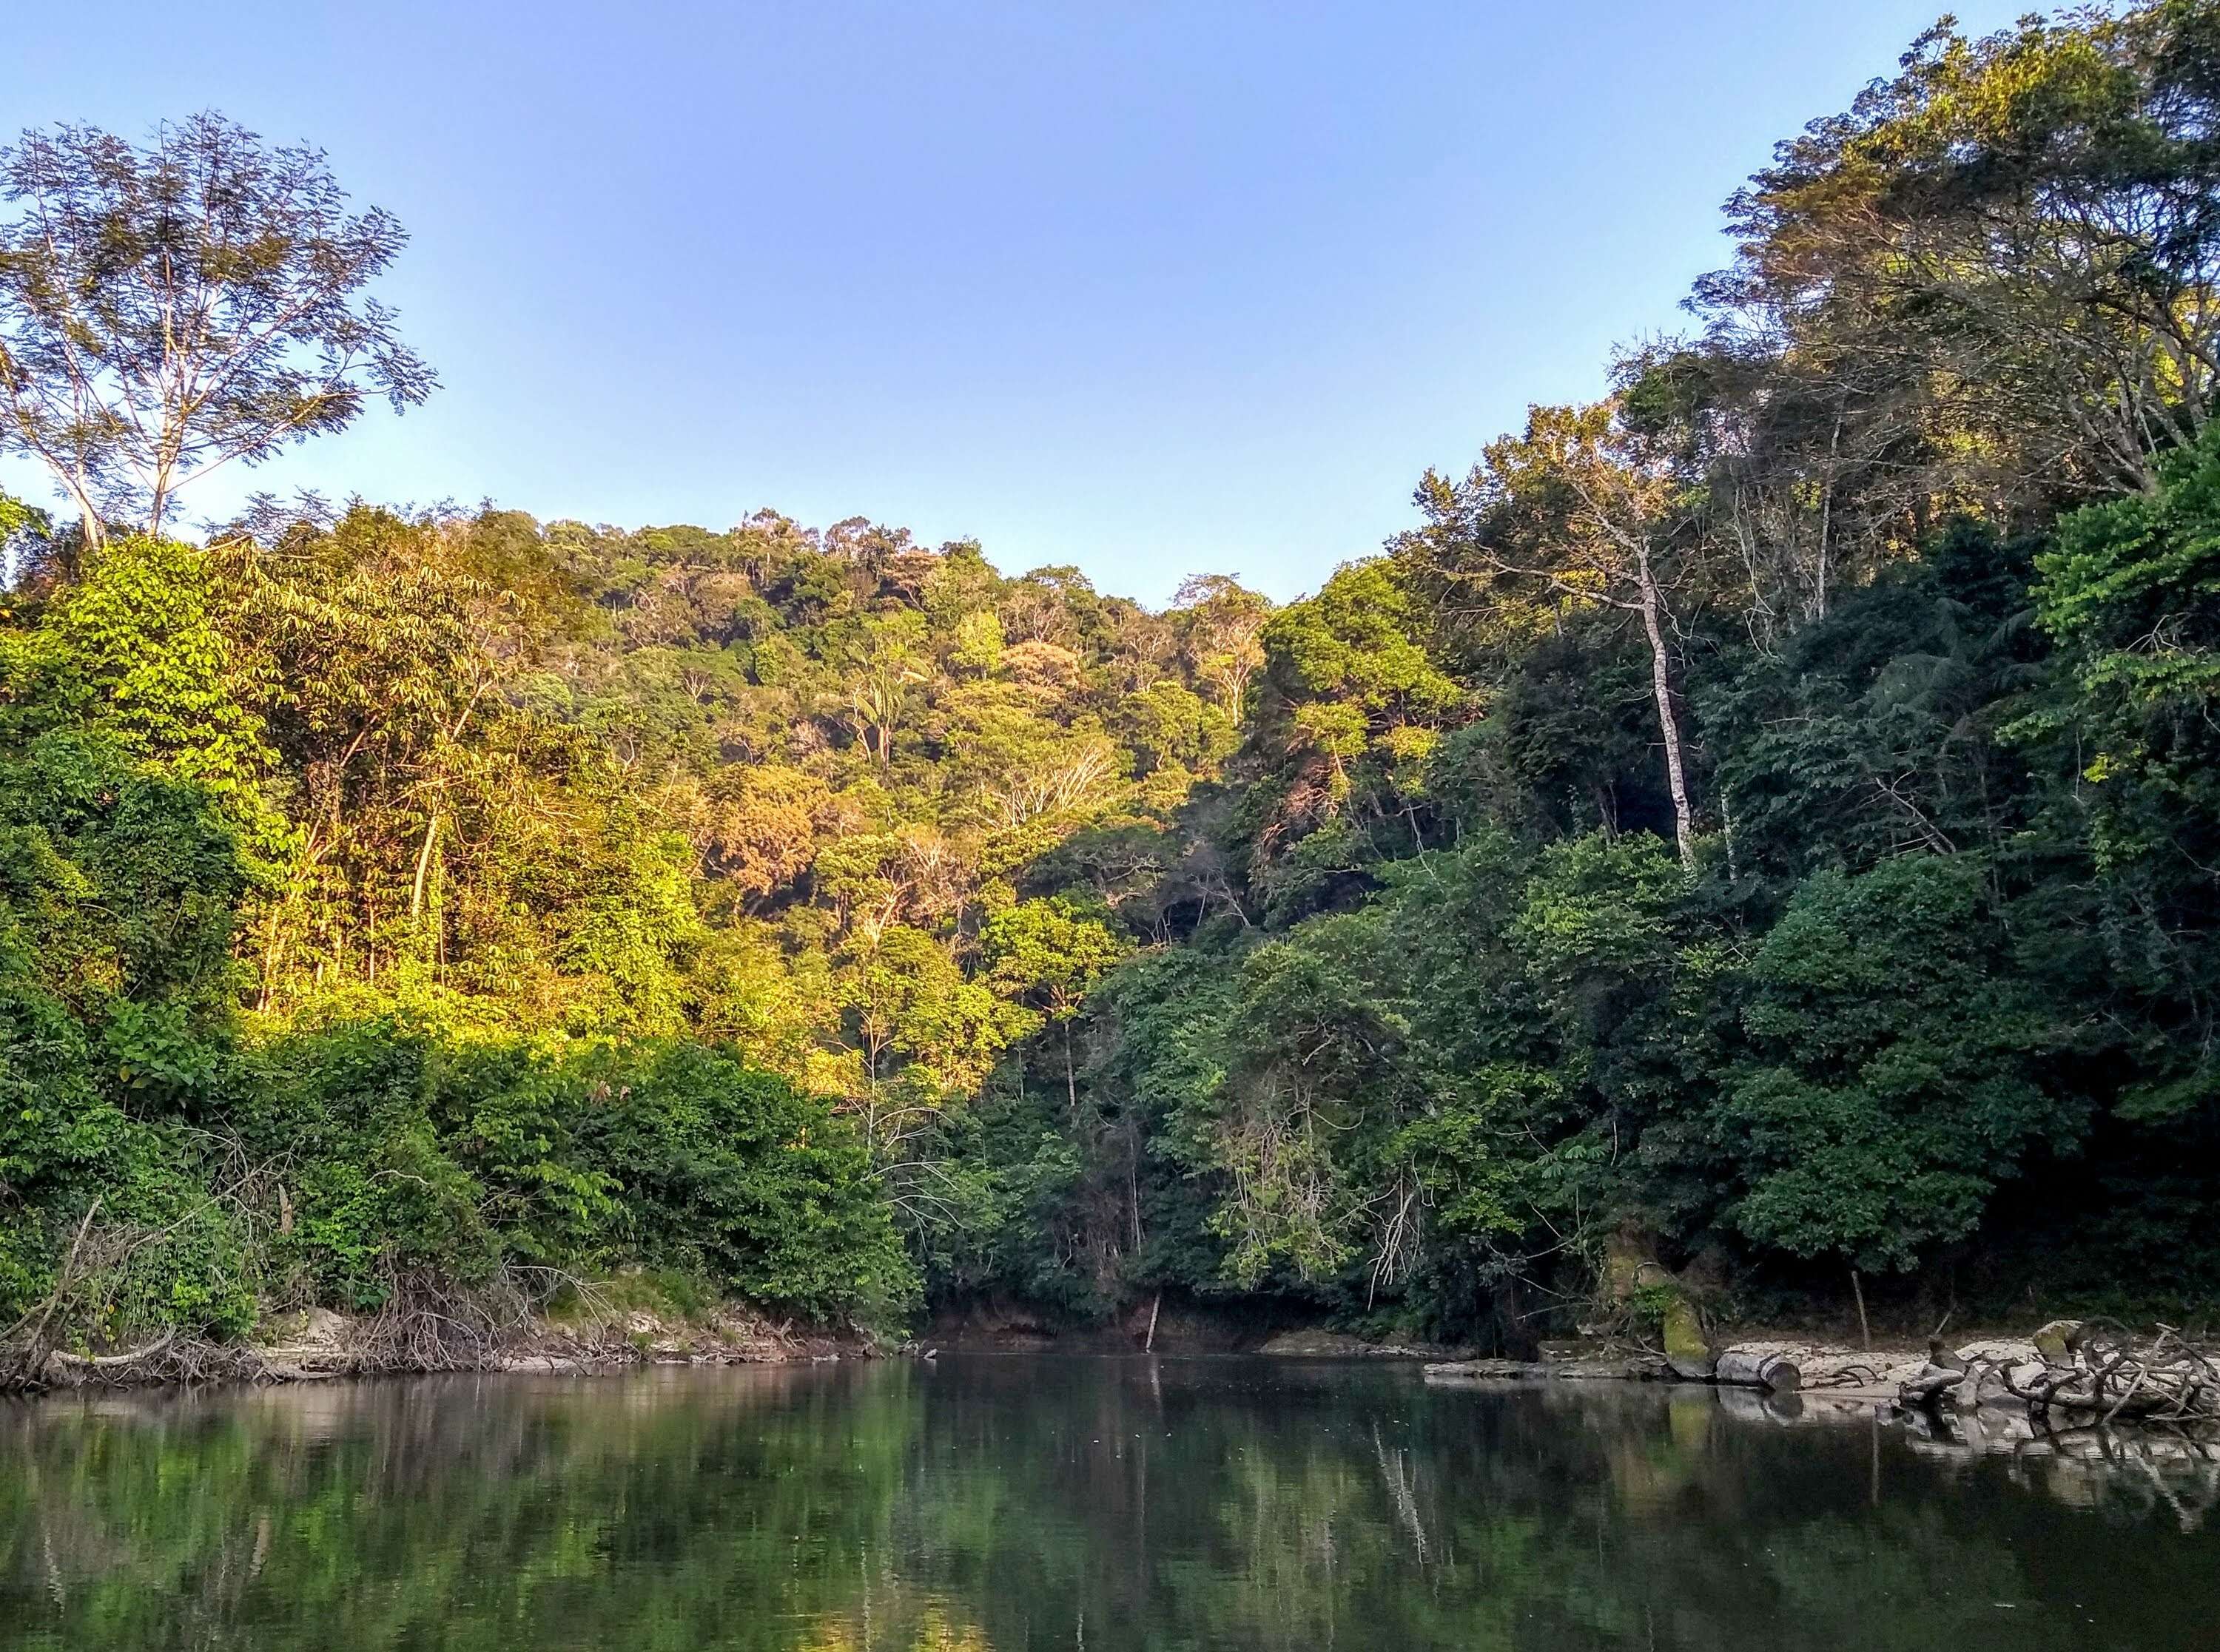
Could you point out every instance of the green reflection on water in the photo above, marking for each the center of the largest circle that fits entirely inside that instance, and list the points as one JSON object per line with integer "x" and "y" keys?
{"x": 1020, "y": 1503}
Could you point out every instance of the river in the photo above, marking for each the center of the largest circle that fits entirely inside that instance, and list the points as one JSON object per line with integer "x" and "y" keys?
{"x": 1032, "y": 1502}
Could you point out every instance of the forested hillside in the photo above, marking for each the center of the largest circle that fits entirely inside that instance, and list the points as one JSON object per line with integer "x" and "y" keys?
{"x": 451, "y": 894}
{"x": 1764, "y": 821}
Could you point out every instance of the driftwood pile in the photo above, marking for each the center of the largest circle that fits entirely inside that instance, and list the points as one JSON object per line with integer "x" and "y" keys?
{"x": 2074, "y": 1375}
{"x": 2076, "y": 1372}
{"x": 29, "y": 1365}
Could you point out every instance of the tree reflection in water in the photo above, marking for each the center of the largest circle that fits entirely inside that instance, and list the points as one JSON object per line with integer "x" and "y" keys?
{"x": 1014, "y": 1503}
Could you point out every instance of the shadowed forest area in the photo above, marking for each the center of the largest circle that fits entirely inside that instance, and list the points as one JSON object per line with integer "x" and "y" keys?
{"x": 1765, "y": 822}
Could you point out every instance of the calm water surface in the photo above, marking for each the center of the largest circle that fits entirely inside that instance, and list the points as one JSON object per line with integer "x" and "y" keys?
{"x": 1010, "y": 1503}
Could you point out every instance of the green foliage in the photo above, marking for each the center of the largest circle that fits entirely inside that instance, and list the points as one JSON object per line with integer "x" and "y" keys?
{"x": 118, "y": 881}
{"x": 1897, "y": 1067}
{"x": 1879, "y": 731}
{"x": 2131, "y": 592}
{"x": 732, "y": 1174}
{"x": 1049, "y": 952}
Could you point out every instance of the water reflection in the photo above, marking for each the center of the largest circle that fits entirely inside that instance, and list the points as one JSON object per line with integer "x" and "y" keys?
{"x": 1019, "y": 1503}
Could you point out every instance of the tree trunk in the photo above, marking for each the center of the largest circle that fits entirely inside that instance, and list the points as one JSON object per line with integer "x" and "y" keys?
{"x": 80, "y": 489}
{"x": 1661, "y": 682}
{"x": 1817, "y": 607}
{"x": 1758, "y": 1365}
{"x": 423, "y": 864}
{"x": 1133, "y": 1193}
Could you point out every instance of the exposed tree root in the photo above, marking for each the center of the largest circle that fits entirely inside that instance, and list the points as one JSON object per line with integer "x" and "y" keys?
{"x": 2084, "y": 1372}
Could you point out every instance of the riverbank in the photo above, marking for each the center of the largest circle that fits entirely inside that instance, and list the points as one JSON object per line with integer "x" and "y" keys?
{"x": 2064, "y": 1377}
{"x": 2069, "y": 1377}
{"x": 317, "y": 1344}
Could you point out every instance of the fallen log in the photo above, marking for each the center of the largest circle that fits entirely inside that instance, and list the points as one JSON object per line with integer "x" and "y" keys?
{"x": 133, "y": 1365}
{"x": 1760, "y": 1365}
{"x": 93, "y": 1363}
{"x": 1482, "y": 1371}
{"x": 1932, "y": 1384}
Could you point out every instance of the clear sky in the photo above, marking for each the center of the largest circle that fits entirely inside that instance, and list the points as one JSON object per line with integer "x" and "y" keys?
{"x": 1149, "y": 288}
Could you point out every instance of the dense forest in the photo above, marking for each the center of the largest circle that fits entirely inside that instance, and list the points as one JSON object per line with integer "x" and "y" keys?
{"x": 1763, "y": 822}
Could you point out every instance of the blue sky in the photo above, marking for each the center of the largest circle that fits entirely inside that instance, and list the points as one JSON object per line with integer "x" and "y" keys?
{"x": 1149, "y": 288}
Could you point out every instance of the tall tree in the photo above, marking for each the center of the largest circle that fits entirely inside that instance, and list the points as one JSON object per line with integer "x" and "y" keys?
{"x": 165, "y": 310}
{"x": 2018, "y": 230}
{"x": 1224, "y": 625}
{"x": 1581, "y": 510}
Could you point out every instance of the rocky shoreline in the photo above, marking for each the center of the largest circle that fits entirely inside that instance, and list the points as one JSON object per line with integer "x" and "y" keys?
{"x": 2071, "y": 1376}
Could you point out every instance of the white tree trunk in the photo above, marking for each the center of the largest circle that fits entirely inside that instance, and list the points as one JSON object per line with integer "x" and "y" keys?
{"x": 1661, "y": 681}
